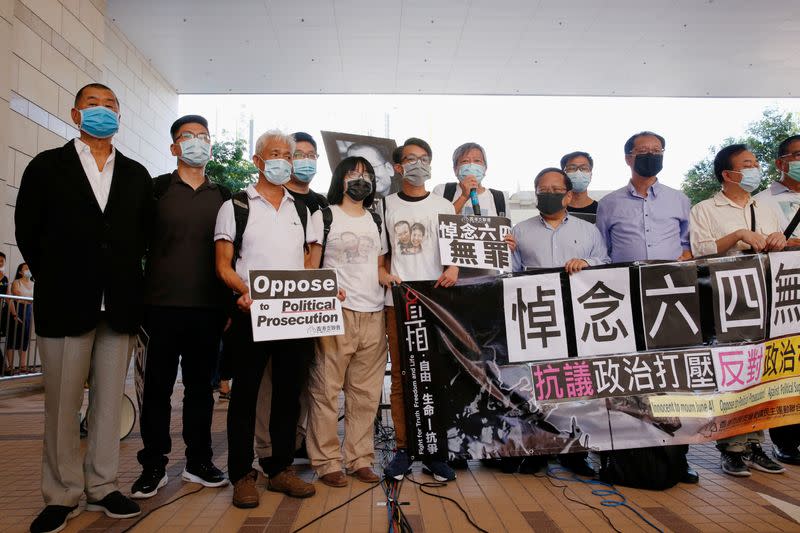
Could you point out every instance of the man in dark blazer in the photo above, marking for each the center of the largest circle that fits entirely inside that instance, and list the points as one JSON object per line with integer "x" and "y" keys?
{"x": 82, "y": 219}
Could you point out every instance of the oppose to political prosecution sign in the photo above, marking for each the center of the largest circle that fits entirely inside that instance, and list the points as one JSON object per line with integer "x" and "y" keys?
{"x": 474, "y": 241}
{"x": 613, "y": 357}
{"x": 293, "y": 304}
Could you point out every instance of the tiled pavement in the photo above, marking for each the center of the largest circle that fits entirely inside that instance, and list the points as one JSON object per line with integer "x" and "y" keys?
{"x": 497, "y": 502}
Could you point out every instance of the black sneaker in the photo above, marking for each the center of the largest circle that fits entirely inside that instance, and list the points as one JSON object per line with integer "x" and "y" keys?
{"x": 54, "y": 518}
{"x": 439, "y": 470}
{"x": 206, "y": 474}
{"x": 115, "y": 505}
{"x": 757, "y": 459}
{"x": 399, "y": 466}
{"x": 733, "y": 464}
{"x": 148, "y": 483}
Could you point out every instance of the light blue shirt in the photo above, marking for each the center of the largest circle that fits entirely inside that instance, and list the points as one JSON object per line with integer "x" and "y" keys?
{"x": 638, "y": 228}
{"x": 541, "y": 246}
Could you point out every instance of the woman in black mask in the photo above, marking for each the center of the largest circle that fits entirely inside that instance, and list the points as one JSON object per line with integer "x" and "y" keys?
{"x": 353, "y": 244}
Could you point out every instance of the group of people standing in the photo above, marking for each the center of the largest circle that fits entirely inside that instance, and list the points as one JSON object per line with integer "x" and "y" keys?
{"x": 200, "y": 240}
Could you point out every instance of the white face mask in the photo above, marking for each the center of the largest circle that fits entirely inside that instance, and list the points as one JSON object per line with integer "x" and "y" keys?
{"x": 27, "y": 274}
{"x": 2, "y": 269}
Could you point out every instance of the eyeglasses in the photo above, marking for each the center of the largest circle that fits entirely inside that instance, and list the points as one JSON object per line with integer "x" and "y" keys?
{"x": 642, "y": 151}
{"x": 354, "y": 175}
{"x": 303, "y": 155}
{"x": 573, "y": 168}
{"x": 793, "y": 155}
{"x": 555, "y": 190}
{"x": 187, "y": 135}
{"x": 411, "y": 159}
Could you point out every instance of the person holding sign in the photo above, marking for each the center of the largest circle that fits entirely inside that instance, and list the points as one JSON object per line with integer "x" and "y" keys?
{"x": 555, "y": 238}
{"x": 353, "y": 244}
{"x": 263, "y": 229}
{"x": 730, "y": 220}
{"x": 412, "y": 205}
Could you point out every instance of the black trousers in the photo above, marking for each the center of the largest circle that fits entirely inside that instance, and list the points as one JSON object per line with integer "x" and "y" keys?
{"x": 786, "y": 438}
{"x": 290, "y": 364}
{"x": 191, "y": 336}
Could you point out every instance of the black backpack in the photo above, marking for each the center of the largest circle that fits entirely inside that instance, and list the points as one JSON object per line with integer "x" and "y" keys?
{"x": 327, "y": 220}
{"x": 241, "y": 212}
{"x": 498, "y": 196}
{"x": 653, "y": 468}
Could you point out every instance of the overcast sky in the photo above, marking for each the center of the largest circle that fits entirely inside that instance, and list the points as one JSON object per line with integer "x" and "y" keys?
{"x": 521, "y": 134}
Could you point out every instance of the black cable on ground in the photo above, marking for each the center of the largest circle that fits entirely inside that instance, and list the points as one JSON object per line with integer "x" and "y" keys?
{"x": 435, "y": 485}
{"x": 592, "y": 507}
{"x": 154, "y": 509}
{"x": 326, "y": 513}
{"x": 609, "y": 491}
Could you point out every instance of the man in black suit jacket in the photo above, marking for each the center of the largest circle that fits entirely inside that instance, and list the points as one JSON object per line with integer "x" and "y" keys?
{"x": 82, "y": 219}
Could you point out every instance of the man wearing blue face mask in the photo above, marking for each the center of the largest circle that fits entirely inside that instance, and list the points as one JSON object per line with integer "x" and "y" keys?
{"x": 264, "y": 227}
{"x": 184, "y": 312}
{"x": 84, "y": 200}
{"x": 469, "y": 166}
{"x": 579, "y": 166}
{"x": 732, "y": 219}
{"x": 783, "y": 196}
{"x": 304, "y": 168}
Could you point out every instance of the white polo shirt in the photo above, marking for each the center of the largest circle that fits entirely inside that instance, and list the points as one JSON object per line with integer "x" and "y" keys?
{"x": 273, "y": 238}
{"x": 783, "y": 201}
{"x": 718, "y": 216}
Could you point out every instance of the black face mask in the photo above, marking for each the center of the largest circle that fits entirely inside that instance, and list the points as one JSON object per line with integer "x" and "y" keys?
{"x": 648, "y": 165}
{"x": 549, "y": 203}
{"x": 358, "y": 189}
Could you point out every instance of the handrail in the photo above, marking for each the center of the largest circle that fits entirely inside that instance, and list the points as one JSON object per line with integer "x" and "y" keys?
{"x": 19, "y": 354}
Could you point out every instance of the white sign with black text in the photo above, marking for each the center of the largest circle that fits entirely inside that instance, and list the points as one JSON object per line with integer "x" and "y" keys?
{"x": 474, "y": 241}
{"x": 294, "y": 304}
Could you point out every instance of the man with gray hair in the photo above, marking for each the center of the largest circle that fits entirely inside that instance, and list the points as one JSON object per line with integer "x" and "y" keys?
{"x": 263, "y": 227}
{"x": 469, "y": 166}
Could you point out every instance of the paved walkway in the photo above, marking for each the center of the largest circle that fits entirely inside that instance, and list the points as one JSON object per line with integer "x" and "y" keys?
{"x": 497, "y": 502}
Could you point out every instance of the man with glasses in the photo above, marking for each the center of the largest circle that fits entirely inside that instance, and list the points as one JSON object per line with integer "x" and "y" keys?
{"x": 183, "y": 313}
{"x": 578, "y": 166}
{"x": 645, "y": 219}
{"x": 732, "y": 220}
{"x": 304, "y": 168}
{"x": 783, "y": 197}
{"x": 413, "y": 205}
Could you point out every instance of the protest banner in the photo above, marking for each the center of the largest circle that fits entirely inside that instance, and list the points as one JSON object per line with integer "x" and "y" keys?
{"x": 293, "y": 304}
{"x": 617, "y": 356}
{"x": 475, "y": 241}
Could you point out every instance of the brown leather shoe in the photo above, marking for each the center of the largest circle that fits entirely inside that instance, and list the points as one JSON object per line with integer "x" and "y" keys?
{"x": 366, "y": 475}
{"x": 334, "y": 479}
{"x": 291, "y": 485}
{"x": 245, "y": 494}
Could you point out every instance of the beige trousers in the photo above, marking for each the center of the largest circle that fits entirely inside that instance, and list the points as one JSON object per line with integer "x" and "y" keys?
{"x": 353, "y": 363}
{"x": 100, "y": 356}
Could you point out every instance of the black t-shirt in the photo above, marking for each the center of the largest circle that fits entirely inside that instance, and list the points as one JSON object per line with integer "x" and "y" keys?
{"x": 313, "y": 200}
{"x": 4, "y": 285}
{"x": 180, "y": 263}
{"x": 587, "y": 213}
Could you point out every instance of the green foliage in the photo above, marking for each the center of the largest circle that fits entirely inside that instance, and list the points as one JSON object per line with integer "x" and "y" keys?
{"x": 229, "y": 167}
{"x": 762, "y": 137}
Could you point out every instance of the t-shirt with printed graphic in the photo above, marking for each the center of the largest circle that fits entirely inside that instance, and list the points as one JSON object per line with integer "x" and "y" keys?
{"x": 353, "y": 247}
{"x": 410, "y": 225}
{"x": 783, "y": 201}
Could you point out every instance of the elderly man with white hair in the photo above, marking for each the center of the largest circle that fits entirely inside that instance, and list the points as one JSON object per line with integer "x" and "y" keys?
{"x": 273, "y": 238}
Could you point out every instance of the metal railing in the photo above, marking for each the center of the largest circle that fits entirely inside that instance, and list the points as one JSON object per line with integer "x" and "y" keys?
{"x": 20, "y": 352}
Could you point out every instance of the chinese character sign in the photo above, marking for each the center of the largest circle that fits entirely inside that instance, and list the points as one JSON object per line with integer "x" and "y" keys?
{"x": 601, "y": 307}
{"x": 739, "y": 299}
{"x": 475, "y": 241}
{"x": 738, "y": 367}
{"x": 785, "y": 274}
{"x": 670, "y": 305}
{"x": 534, "y": 318}
{"x": 781, "y": 358}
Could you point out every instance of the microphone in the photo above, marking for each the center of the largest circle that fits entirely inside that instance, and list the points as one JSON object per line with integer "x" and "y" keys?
{"x": 476, "y": 207}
